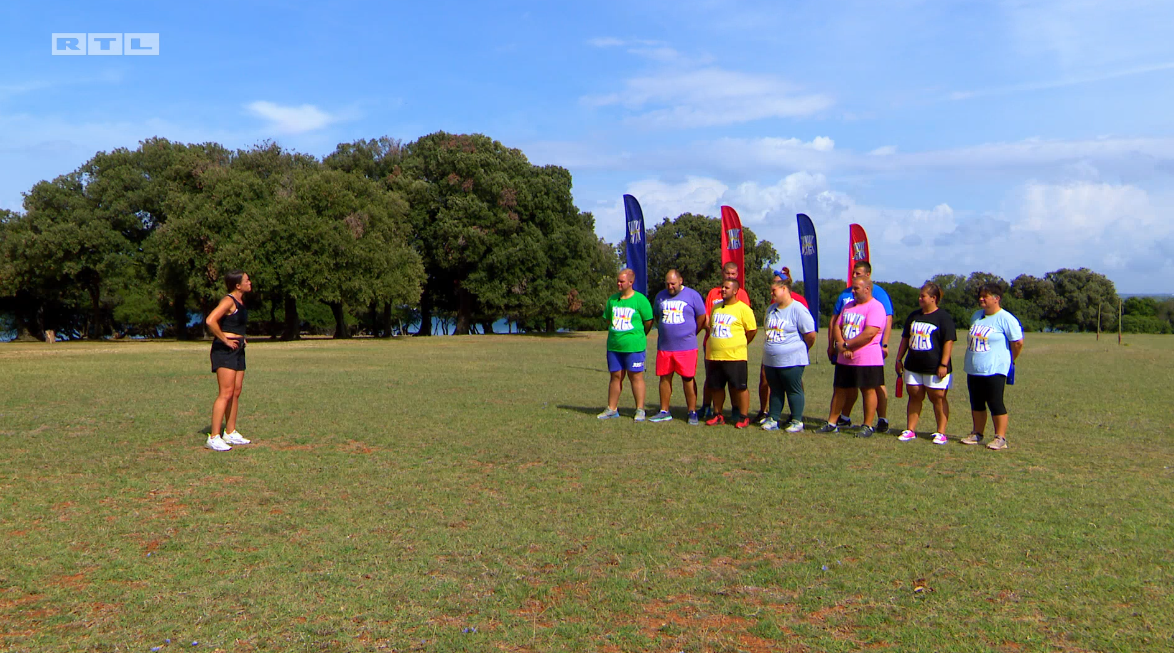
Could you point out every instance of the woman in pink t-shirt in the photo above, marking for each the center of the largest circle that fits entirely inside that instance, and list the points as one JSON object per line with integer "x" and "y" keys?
{"x": 860, "y": 362}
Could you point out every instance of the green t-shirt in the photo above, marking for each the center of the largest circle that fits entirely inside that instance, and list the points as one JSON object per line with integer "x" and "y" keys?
{"x": 625, "y": 333}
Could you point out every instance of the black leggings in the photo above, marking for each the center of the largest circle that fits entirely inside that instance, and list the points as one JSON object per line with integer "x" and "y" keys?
{"x": 987, "y": 391}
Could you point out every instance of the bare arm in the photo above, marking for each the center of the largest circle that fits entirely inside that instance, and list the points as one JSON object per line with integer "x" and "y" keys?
{"x": 750, "y": 336}
{"x": 1016, "y": 348}
{"x": 947, "y": 351}
{"x": 809, "y": 338}
{"x": 863, "y": 339}
{"x": 700, "y": 323}
{"x": 647, "y": 327}
{"x": 888, "y": 332}
{"x": 213, "y": 321}
{"x": 904, "y": 347}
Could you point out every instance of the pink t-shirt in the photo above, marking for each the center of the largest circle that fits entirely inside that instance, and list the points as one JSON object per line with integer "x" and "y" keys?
{"x": 854, "y": 319}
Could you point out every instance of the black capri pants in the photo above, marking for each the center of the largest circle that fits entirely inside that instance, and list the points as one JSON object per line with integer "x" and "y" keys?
{"x": 987, "y": 391}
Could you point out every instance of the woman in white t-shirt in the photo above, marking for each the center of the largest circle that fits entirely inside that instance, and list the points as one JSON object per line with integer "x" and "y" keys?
{"x": 790, "y": 333}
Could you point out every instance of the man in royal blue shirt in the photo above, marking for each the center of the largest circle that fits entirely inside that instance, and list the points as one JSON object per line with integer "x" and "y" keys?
{"x": 863, "y": 269}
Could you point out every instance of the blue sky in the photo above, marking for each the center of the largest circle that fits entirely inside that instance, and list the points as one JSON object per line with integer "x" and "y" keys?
{"x": 1004, "y": 136}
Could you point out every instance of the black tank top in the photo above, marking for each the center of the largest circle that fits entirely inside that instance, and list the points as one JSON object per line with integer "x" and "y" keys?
{"x": 235, "y": 323}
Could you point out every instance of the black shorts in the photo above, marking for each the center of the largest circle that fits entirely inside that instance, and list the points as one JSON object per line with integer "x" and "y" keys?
{"x": 718, "y": 374}
{"x": 987, "y": 391}
{"x": 859, "y": 376}
{"x": 222, "y": 356}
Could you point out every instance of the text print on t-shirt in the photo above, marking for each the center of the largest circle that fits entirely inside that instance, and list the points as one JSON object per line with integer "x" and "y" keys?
{"x": 921, "y": 336}
{"x": 621, "y": 318}
{"x": 775, "y": 327}
{"x": 722, "y": 325}
{"x": 980, "y": 338}
{"x": 853, "y": 324}
{"x": 673, "y": 312}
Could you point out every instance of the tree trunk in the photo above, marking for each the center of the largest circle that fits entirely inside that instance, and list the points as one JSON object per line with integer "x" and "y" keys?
{"x": 425, "y": 313}
{"x": 179, "y": 315}
{"x": 386, "y": 319}
{"x": 95, "y": 326}
{"x": 341, "y": 330}
{"x": 293, "y": 326}
{"x": 464, "y": 320}
{"x": 487, "y": 327}
{"x": 550, "y": 325}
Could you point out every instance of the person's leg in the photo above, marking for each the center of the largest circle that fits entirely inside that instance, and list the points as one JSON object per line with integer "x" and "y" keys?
{"x": 614, "y": 386}
{"x": 849, "y": 402}
{"x": 666, "y": 390}
{"x": 997, "y": 384}
{"x": 740, "y": 401}
{"x": 913, "y": 410}
{"x": 940, "y": 410}
{"x": 882, "y": 401}
{"x": 869, "y": 395}
{"x": 637, "y": 381}
{"x": 792, "y": 386}
{"x": 763, "y": 390}
{"x": 838, "y": 395}
{"x": 689, "y": 385}
{"x": 977, "y": 387}
{"x": 774, "y": 379}
{"x": 226, "y": 381}
{"x": 719, "y": 400}
{"x": 237, "y": 384}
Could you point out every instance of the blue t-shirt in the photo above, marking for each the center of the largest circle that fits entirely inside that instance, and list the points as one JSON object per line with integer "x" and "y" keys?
{"x": 878, "y": 294}
{"x": 988, "y": 346}
{"x": 676, "y": 319}
{"x": 784, "y": 335}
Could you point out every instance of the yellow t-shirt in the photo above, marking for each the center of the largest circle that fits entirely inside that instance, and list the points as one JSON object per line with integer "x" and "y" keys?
{"x": 727, "y": 340}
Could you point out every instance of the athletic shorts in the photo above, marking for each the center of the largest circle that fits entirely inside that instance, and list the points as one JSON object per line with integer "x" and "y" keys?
{"x": 931, "y": 381}
{"x": 620, "y": 361}
{"x": 859, "y": 376}
{"x": 987, "y": 391}
{"x": 719, "y": 374}
{"x": 678, "y": 362}
{"x": 222, "y": 356}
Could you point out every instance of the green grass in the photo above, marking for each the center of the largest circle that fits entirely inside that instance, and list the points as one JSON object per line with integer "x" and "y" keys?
{"x": 402, "y": 493}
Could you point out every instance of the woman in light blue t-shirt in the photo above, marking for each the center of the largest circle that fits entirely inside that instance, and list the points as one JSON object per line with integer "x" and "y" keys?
{"x": 790, "y": 333}
{"x": 993, "y": 343}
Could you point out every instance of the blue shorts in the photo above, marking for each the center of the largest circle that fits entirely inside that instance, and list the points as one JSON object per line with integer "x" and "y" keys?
{"x": 618, "y": 361}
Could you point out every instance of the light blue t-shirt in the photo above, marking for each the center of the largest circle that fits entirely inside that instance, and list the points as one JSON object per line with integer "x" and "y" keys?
{"x": 878, "y": 294}
{"x": 988, "y": 347}
{"x": 784, "y": 335}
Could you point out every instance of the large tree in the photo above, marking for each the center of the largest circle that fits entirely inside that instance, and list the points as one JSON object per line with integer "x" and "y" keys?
{"x": 1080, "y": 293}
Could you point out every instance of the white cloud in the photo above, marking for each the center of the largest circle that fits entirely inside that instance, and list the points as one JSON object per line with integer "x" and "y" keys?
{"x": 886, "y": 150}
{"x": 291, "y": 120}
{"x": 1116, "y": 229}
{"x": 709, "y": 96}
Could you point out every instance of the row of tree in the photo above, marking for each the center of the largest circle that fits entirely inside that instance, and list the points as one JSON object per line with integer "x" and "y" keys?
{"x": 378, "y": 235}
{"x": 379, "y": 232}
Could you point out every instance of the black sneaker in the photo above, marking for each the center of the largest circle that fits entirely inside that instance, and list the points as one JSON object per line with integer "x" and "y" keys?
{"x": 864, "y": 432}
{"x": 761, "y": 417}
{"x": 843, "y": 422}
{"x": 882, "y": 425}
{"x": 828, "y": 428}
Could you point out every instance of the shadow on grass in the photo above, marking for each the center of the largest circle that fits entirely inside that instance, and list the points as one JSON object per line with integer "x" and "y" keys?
{"x": 589, "y": 369}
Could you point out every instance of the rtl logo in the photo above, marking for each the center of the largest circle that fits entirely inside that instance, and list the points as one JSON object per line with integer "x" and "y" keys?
{"x": 105, "y": 43}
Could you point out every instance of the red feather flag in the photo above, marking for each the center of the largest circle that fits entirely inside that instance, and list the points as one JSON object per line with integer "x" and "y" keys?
{"x": 857, "y": 248}
{"x": 732, "y": 242}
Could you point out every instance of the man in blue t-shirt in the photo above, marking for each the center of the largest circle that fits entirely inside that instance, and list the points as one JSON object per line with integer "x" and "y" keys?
{"x": 863, "y": 269}
{"x": 680, "y": 316}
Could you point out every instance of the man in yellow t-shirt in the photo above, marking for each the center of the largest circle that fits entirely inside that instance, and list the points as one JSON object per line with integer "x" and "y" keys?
{"x": 731, "y": 327}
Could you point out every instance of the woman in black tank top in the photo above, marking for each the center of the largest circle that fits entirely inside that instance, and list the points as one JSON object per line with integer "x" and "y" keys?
{"x": 227, "y": 323}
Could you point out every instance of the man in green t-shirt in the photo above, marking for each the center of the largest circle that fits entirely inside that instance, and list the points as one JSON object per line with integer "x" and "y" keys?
{"x": 629, "y": 315}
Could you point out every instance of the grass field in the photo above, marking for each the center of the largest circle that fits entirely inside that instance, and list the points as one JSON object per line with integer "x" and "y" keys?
{"x": 458, "y": 494}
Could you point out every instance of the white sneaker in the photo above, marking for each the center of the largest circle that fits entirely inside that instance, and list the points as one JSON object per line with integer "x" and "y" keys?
{"x": 795, "y": 426}
{"x": 940, "y": 438}
{"x": 217, "y": 443}
{"x": 641, "y": 415}
{"x": 907, "y": 435}
{"x": 236, "y": 438}
{"x": 769, "y": 424}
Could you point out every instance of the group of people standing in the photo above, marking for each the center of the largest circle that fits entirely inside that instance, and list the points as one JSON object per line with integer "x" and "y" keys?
{"x": 858, "y": 337}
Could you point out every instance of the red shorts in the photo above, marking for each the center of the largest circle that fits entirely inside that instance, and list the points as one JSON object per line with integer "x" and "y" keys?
{"x": 681, "y": 362}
